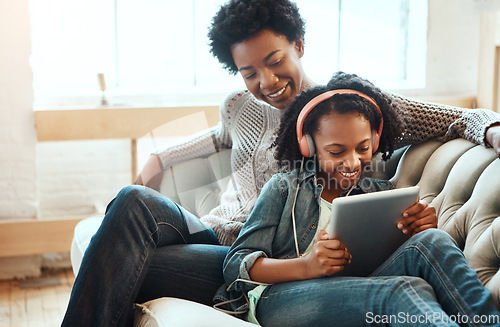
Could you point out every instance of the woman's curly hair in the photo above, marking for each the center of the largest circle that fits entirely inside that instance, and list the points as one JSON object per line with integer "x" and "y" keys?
{"x": 239, "y": 20}
{"x": 287, "y": 148}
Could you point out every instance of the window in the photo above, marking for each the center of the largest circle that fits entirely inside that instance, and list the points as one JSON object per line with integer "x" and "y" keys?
{"x": 156, "y": 50}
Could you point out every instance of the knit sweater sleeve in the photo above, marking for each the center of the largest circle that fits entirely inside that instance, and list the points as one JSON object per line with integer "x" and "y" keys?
{"x": 424, "y": 121}
{"x": 201, "y": 144}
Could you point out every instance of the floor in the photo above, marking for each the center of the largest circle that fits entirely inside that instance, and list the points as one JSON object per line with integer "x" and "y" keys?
{"x": 37, "y": 302}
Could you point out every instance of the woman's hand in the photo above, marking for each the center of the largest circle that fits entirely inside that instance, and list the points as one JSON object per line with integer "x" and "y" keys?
{"x": 493, "y": 138}
{"x": 326, "y": 257}
{"x": 152, "y": 173}
{"x": 417, "y": 218}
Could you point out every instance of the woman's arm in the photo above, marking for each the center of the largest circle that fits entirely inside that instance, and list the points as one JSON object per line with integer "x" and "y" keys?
{"x": 493, "y": 138}
{"x": 202, "y": 144}
{"x": 199, "y": 145}
{"x": 424, "y": 121}
{"x": 151, "y": 174}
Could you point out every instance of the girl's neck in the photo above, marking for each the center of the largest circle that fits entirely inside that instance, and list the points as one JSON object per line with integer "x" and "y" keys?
{"x": 330, "y": 191}
{"x": 333, "y": 190}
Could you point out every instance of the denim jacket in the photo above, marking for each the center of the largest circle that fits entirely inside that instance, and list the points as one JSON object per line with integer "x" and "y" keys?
{"x": 268, "y": 231}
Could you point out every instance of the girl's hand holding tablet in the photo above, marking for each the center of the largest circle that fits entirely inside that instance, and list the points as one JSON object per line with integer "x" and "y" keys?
{"x": 327, "y": 257}
{"x": 417, "y": 218}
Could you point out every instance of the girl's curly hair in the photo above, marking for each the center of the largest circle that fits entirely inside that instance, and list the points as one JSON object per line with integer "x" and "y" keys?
{"x": 239, "y": 20}
{"x": 287, "y": 148}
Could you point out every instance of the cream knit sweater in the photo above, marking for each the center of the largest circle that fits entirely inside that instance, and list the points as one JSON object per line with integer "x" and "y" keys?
{"x": 248, "y": 126}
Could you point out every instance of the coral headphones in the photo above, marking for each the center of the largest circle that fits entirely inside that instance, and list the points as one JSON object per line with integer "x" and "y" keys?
{"x": 306, "y": 142}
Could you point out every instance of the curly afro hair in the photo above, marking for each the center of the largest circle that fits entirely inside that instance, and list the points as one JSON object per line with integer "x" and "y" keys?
{"x": 287, "y": 148}
{"x": 239, "y": 20}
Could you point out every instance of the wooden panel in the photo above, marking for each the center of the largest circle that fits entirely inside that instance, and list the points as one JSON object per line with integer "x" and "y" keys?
{"x": 105, "y": 123}
{"x": 489, "y": 43}
{"x": 463, "y": 102}
{"x": 36, "y": 237}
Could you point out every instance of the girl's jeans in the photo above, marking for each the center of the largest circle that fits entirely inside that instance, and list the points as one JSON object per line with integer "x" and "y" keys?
{"x": 148, "y": 247}
{"x": 435, "y": 287}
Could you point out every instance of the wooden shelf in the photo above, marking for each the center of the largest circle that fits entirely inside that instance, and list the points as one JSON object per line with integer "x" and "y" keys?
{"x": 489, "y": 58}
{"x": 20, "y": 238}
{"x": 121, "y": 123}
{"x": 109, "y": 123}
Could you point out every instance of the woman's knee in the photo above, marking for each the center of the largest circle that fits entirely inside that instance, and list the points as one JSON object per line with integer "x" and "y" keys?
{"x": 137, "y": 201}
{"x": 134, "y": 195}
{"x": 134, "y": 192}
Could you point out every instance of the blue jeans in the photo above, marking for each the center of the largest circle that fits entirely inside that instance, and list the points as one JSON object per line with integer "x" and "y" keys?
{"x": 147, "y": 247}
{"x": 426, "y": 282}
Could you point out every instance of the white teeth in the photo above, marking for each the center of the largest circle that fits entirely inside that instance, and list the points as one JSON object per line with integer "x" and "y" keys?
{"x": 348, "y": 175}
{"x": 277, "y": 94}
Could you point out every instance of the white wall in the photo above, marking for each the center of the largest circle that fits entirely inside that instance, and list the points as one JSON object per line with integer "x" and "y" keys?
{"x": 452, "y": 48}
{"x": 18, "y": 193}
{"x": 56, "y": 179}
{"x": 17, "y": 133}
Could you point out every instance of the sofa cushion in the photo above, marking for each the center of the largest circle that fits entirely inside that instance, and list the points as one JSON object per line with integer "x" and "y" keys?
{"x": 167, "y": 311}
{"x": 84, "y": 231}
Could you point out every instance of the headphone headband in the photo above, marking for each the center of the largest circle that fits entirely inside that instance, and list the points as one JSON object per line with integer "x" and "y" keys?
{"x": 322, "y": 97}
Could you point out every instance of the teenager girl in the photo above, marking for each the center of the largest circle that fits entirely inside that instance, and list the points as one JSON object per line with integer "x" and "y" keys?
{"x": 283, "y": 260}
{"x": 146, "y": 248}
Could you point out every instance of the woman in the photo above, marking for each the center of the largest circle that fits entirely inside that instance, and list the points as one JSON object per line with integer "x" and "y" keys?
{"x": 139, "y": 252}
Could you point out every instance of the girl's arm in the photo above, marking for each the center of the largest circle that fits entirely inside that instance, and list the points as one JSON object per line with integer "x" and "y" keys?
{"x": 251, "y": 255}
{"x": 326, "y": 258}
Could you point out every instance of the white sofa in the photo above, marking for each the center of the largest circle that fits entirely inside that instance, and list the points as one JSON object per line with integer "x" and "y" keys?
{"x": 460, "y": 179}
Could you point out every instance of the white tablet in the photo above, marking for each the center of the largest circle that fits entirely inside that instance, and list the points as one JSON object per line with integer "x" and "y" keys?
{"x": 367, "y": 225}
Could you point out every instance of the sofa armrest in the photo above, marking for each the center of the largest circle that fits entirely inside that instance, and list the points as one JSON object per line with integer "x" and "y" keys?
{"x": 167, "y": 311}
{"x": 84, "y": 231}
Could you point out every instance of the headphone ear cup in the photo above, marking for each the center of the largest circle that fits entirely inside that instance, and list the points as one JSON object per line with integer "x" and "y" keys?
{"x": 310, "y": 144}
{"x": 306, "y": 146}
{"x": 375, "y": 141}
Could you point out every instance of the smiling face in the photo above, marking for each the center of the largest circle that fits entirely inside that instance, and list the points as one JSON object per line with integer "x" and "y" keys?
{"x": 271, "y": 68}
{"x": 343, "y": 148}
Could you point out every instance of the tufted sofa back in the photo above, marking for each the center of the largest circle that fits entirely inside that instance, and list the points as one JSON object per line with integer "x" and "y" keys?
{"x": 462, "y": 181}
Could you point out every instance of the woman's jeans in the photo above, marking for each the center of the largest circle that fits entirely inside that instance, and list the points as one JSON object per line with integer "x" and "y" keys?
{"x": 435, "y": 287}
{"x": 148, "y": 247}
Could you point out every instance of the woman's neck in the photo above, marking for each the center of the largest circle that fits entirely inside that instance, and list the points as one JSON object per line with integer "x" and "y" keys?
{"x": 307, "y": 84}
